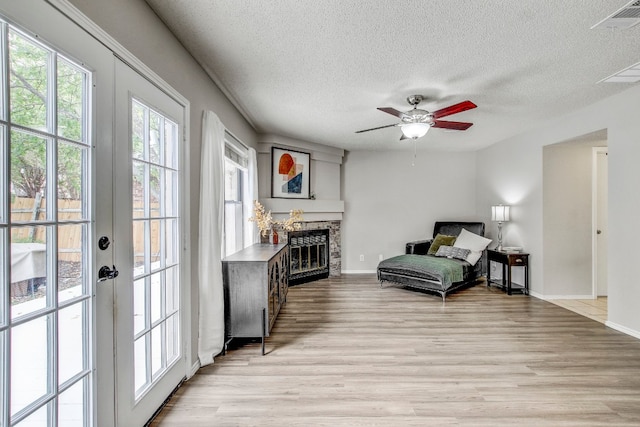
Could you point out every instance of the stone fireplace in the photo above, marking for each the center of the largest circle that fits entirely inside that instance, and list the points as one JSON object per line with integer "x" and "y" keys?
{"x": 308, "y": 256}
{"x": 315, "y": 259}
{"x": 324, "y": 209}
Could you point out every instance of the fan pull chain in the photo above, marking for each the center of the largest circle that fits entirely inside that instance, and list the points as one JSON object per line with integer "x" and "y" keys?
{"x": 413, "y": 161}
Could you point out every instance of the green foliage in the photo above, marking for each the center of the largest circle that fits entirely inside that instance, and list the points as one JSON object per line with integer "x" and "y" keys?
{"x": 71, "y": 84}
{"x": 26, "y": 240}
{"x": 29, "y": 94}
{"x": 28, "y": 163}
{"x": 28, "y": 82}
{"x": 146, "y": 120}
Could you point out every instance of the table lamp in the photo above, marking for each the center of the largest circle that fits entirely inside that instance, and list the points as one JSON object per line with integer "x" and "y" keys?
{"x": 500, "y": 214}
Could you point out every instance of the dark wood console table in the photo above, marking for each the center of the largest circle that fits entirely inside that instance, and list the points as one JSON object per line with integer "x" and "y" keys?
{"x": 256, "y": 281}
{"x": 508, "y": 260}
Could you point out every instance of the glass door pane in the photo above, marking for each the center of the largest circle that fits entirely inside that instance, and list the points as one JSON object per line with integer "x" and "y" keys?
{"x": 155, "y": 243}
{"x": 45, "y": 223}
{"x": 149, "y": 347}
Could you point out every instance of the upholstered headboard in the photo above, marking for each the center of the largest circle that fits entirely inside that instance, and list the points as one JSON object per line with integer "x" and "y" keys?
{"x": 453, "y": 228}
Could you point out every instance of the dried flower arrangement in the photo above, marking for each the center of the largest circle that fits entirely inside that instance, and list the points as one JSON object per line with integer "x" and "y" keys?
{"x": 266, "y": 223}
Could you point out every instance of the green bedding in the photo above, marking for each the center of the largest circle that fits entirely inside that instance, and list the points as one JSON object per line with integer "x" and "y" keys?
{"x": 446, "y": 270}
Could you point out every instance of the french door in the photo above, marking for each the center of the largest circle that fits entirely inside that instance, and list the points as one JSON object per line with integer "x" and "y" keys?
{"x": 89, "y": 186}
{"x": 149, "y": 352}
{"x": 51, "y": 81}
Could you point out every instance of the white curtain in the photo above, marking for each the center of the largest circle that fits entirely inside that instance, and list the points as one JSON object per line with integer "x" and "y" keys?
{"x": 251, "y": 232}
{"x": 211, "y": 314}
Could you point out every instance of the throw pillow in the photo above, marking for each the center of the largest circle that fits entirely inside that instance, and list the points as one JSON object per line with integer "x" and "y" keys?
{"x": 439, "y": 240}
{"x": 476, "y": 244}
{"x": 453, "y": 252}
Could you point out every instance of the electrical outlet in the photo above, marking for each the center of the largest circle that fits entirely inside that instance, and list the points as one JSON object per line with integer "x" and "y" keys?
{"x": 380, "y": 257}
{"x": 361, "y": 257}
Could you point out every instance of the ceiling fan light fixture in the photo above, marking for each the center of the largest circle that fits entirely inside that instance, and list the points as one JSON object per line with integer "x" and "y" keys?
{"x": 415, "y": 130}
{"x": 415, "y": 123}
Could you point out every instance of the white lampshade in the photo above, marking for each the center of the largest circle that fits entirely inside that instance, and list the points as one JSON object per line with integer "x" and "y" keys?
{"x": 500, "y": 213}
{"x": 415, "y": 130}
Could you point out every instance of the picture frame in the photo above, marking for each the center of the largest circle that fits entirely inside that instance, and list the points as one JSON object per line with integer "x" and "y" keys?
{"x": 290, "y": 174}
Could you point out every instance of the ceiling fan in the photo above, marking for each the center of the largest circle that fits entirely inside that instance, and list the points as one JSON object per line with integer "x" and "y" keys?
{"x": 417, "y": 122}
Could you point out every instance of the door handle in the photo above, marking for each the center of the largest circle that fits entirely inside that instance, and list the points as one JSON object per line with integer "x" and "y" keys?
{"x": 103, "y": 243}
{"x": 106, "y": 273}
{"x": 599, "y": 232}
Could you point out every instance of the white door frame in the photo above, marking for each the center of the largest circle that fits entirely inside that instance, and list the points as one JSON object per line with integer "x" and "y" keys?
{"x": 596, "y": 151}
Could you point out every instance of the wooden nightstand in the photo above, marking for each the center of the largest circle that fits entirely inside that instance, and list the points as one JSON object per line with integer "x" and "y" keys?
{"x": 509, "y": 259}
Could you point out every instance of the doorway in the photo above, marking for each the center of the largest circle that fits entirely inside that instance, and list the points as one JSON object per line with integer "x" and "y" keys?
{"x": 600, "y": 220}
{"x": 570, "y": 224}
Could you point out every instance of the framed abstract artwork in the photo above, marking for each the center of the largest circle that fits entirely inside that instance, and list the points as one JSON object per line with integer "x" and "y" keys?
{"x": 289, "y": 174}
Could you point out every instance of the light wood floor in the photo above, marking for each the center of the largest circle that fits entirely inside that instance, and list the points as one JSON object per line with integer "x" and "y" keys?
{"x": 595, "y": 309}
{"x": 345, "y": 352}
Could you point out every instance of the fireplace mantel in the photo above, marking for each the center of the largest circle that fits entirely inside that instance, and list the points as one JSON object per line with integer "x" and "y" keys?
{"x": 314, "y": 210}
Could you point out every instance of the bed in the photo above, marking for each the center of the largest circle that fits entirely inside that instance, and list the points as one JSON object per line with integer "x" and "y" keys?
{"x": 421, "y": 269}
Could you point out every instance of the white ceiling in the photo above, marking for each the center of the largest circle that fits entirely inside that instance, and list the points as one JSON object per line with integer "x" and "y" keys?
{"x": 316, "y": 70}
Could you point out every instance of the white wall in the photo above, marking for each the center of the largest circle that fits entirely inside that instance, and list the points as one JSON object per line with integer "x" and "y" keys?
{"x": 513, "y": 169}
{"x": 388, "y": 202}
{"x": 136, "y": 27}
{"x": 325, "y": 179}
{"x": 325, "y": 173}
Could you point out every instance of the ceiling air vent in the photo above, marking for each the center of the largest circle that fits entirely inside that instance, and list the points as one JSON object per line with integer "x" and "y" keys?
{"x": 628, "y": 75}
{"x": 623, "y": 18}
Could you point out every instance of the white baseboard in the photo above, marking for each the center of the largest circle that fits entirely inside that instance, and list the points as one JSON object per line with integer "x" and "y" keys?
{"x": 550, "y": 297}
{"x": 536, "y": 295}
{"x": 194, "y": 369}
{"x": 623, "y": 329}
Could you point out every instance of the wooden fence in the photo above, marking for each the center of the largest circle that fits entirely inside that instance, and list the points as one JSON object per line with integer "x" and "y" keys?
{"x": 69, "y": 235}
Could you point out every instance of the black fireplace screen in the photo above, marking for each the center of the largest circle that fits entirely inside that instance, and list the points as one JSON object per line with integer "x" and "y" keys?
{"x": 309, "y": 256}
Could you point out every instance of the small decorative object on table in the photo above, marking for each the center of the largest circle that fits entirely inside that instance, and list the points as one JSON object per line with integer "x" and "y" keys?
{"x": 269, "y": 227}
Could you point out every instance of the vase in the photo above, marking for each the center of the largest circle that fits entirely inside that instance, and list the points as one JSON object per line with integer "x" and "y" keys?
{"x": 274, "y": 236}
{"x": 264, "y": 238}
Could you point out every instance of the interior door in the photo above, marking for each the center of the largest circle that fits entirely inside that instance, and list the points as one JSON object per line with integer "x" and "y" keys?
{"x": 149, "y": 348}
{"x": 56, "y": 81}
{"x": 602, "y": 204}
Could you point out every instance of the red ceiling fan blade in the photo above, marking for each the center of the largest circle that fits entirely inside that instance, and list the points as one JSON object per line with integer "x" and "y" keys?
{"x": 454, "y": 109}
{"x": 391, "y": 111}
{"x": 445, "y": 124}
{"x": 379, "y": 127}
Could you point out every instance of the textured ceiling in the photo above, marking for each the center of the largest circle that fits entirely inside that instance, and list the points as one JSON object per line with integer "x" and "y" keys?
{"x": 317, "y": 70}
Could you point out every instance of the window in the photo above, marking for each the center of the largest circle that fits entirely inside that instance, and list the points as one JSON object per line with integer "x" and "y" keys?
{"x": 235, "y": 194}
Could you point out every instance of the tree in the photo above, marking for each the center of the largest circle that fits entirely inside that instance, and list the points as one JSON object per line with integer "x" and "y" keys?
{"x": 29, "y": 93}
